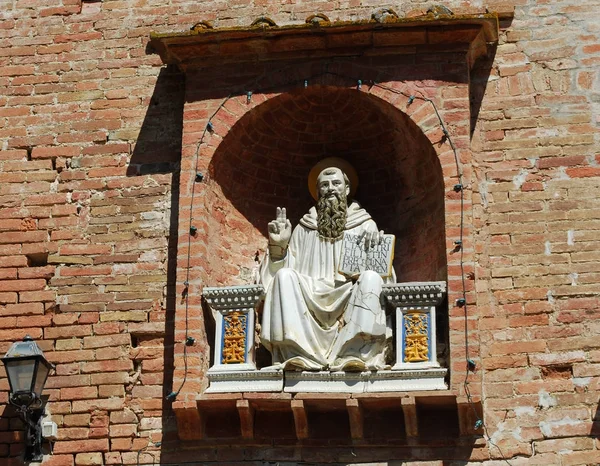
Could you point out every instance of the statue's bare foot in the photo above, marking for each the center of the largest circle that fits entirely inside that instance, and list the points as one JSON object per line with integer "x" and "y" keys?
{"x": 298, "y": 363}
{"x": 275, "y": 367}
{"x": 353, "y": 365}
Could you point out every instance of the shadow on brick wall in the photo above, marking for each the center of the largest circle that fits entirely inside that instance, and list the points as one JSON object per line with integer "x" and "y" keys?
{"x": 596, "y": 424}
{"x": 479, "y": 80}
{"x": 480, "y": 74}
{"x": 158, "y": 145}
{"x": 12, "y": 427}
{"x": 158, "y": 151}
{"x": 169, "y": 424}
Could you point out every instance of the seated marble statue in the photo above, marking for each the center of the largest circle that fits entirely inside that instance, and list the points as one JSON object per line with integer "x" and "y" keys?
{"x": 315, "y": 318}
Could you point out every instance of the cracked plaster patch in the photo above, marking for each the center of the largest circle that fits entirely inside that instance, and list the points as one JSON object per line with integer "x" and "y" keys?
{"x": 545, "y": 400}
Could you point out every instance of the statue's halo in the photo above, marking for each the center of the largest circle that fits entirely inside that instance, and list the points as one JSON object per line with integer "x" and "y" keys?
{"x": 330, "y": 162}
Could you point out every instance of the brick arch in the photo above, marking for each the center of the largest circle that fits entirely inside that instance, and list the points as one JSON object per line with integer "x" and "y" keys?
{"x": 266, "y": 149}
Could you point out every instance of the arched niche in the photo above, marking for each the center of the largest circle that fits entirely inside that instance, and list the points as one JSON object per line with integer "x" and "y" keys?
{"x": 264, "y": 159}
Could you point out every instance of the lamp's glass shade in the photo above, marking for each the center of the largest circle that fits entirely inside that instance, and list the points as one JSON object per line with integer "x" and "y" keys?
{"x": 27, "y": 370}
{"x": 43, "y": 368}
{"x": 20, "y": 374}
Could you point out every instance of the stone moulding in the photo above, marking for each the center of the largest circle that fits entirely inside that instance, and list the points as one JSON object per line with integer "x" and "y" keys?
{"x": 244, "y": 381}
{"x": 326, "y": 382}
{"x": 414, "y": 293}
{"x": 365, "y": 382}
{"x": 229, "y": 298}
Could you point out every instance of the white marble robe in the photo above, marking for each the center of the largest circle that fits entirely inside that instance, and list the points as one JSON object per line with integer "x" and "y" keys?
{"x": 315, "y": 318}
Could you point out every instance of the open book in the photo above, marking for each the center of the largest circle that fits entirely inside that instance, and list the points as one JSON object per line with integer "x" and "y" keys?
{"x": 355, "y": 258}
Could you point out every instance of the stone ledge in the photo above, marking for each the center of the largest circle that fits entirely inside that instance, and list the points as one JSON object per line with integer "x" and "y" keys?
{"x": 405, "y": 380}
{"x": 205, "y": 48}
{"x": 365, "y": 382}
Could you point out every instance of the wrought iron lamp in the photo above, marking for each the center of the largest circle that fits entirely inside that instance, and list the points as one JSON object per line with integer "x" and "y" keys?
{"x": 27, "y": 370}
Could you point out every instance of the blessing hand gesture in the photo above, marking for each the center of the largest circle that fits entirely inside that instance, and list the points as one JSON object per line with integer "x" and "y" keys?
{"x": 280, "y": 230}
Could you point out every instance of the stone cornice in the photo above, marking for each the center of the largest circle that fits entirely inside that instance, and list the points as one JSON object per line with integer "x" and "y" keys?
{"x": 230, "y": 298}
{"x": 414, "y": 293}
{"x": 207, "y": 47}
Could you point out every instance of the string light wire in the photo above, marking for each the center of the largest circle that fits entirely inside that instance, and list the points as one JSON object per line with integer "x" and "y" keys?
{"x": 208, "y": 128}
{"x": 418, "y": 95}
{"x": 469, "y": 362}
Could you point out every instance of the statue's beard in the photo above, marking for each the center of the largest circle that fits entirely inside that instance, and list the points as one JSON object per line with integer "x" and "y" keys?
{"x": 331, "y": 216}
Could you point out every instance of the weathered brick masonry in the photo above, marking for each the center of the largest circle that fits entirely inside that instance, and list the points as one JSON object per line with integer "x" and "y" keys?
{"x": 97, "y": 164}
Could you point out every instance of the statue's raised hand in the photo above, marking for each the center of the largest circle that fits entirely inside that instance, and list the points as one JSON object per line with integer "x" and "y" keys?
{"x": 280, "y": 232}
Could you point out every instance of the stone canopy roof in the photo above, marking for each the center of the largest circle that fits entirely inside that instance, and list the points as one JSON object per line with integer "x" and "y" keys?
{"x": 204, "y": 46}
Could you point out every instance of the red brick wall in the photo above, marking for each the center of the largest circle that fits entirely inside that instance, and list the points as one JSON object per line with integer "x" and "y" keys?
{"x": 93, "y": 208}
